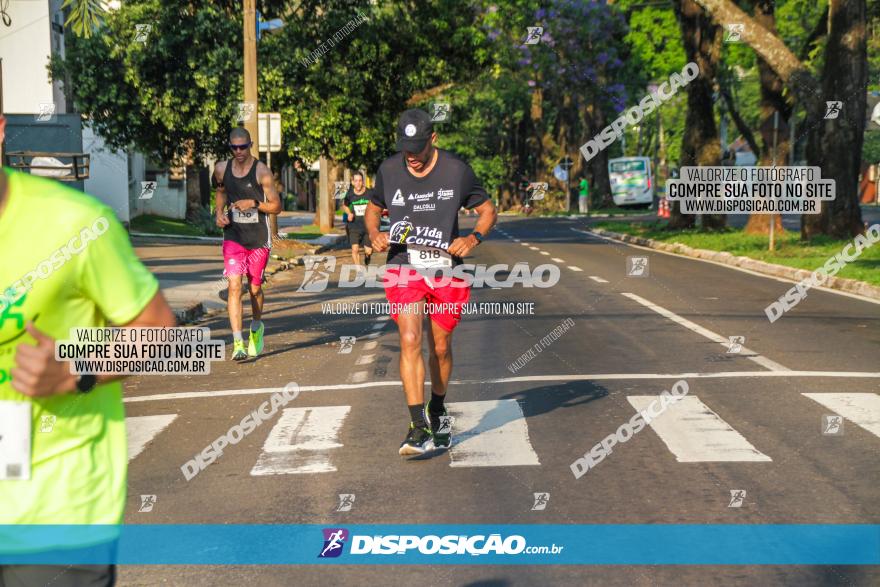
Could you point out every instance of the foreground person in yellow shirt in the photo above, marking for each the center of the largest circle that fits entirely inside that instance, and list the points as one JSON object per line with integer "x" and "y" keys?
{"x": 67, "y": 262}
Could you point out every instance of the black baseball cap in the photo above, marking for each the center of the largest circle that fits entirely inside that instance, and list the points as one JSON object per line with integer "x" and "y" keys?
{"x": 414, "y": 130}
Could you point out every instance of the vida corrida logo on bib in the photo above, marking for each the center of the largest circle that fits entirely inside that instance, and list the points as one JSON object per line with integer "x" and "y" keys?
{"x": 405, "y": 232}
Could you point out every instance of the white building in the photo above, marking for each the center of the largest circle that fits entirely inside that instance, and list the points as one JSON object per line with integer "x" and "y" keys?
{"x": 35, "y": 32}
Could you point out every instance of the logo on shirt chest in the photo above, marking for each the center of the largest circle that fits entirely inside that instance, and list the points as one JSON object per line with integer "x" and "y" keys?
{"x": 421, "y": 197}
{"x": 445, "y": 194}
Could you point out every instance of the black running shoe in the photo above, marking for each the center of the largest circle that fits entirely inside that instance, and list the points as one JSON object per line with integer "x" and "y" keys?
{"x": 441, "y": 427}
{"x": 418, "y": 441}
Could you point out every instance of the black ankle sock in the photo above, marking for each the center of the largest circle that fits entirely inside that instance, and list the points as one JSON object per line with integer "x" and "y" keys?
{"x": 435, "y": 406}
{"x": 366, "y": 259}
{"x": 417, "y": 415}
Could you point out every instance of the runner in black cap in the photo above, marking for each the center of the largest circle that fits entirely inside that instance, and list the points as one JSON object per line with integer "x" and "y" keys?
{"x": 423, "y": 188}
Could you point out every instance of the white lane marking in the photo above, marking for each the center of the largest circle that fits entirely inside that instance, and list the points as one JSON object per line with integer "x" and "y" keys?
{"x": 573, "y": 268}
{"x": 301, "y": 441}
{"x": 598, "y": 279}
{"x": 862, "y": 409}
{"x": 557, "y": 259}
{"x": 692, "y": 326}
{"x": 734, "y": 267}
{"x": 516, "y": 240}
{"x": 696, "y": 434}
{"x": 365, "y": 359}
{"x": 142, "y": 429}
{"x": 545, "y": 253}
{"x": 357, "y": 377}
{"x": 378, "y": 326}
{"x": 525, "y": 244}
{"x": 371, "y": 345}
{"x": 535, "y": 248}
{"x": 372, "y": 335}
{"x": 528, "y": 379}
{"x": 490, "y": 433}
{"x": 382, "y": 318}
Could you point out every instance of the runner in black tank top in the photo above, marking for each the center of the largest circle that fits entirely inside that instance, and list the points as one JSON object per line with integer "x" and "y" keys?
{"x": 249, "y": 228}
{"x": 244, "y": 199}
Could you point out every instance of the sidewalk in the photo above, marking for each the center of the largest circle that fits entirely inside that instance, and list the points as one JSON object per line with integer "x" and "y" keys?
{"x": 190, "y": 272}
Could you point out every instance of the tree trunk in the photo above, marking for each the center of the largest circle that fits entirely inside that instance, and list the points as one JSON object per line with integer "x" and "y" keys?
{"x": 836, "y": 144}
{"x": 598, "y": 165}
{"x": 831, "y": 144}
{"x": 700, "y": 143}
{"x": 193, "y": 193}
{"x": 772, "y": 101}
{"x": 193, "y": 184}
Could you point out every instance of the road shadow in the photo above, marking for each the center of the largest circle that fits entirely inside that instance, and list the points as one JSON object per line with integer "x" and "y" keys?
{"x": 539, "y": 400}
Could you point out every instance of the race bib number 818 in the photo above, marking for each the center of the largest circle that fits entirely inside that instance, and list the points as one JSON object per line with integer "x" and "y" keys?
{"x": 429, "y": 258}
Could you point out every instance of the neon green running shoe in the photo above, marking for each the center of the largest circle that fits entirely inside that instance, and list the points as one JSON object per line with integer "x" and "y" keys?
{"x": 238, "y": 352}
{"x": 255, "y": 341}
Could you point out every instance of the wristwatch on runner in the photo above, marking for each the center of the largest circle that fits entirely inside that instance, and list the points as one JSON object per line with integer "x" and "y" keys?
{"x": 477, "y": 236}
{"x": 86, "y": 383}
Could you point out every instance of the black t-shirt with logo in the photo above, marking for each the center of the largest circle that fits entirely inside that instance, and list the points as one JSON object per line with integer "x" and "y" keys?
{"x": 424, "y": 210}
{"x": 358, "y": 204}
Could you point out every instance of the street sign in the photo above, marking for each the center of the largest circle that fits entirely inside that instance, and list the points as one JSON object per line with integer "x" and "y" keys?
{"x": 269, "y": 126}
{"x": 267, "y": 25}
{"x": 560, "y": 173}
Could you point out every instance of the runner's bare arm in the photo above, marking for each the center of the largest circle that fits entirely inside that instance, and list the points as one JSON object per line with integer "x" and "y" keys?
{"x": 272, "y": 205}
{"x": 372, "y": 219}
{"x": 220, "y": 195}
{"x": 347, "y": 211}
{"x": 462, "y": 246}
{"x": 38, "y": 374}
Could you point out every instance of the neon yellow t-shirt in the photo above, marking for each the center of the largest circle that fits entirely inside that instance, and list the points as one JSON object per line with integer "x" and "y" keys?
{"x": 79, "y": 459}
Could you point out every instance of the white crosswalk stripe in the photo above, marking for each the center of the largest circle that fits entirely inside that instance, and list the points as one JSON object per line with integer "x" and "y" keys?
{"x": 696, "y": 434}
{"x": 490, "y": 433}
{"x": 862, "y": 409}
{"x": 302, "y": 441}
{"x": 142, "y": 429}
{"x": 495, "y": 433}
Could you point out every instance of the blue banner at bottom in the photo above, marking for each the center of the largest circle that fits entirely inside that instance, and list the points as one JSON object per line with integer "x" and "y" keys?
{"x": 418, "y": 544}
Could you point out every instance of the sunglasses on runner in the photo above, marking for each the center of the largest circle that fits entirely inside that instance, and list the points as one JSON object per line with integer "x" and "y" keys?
{"x": 240, "y": 147}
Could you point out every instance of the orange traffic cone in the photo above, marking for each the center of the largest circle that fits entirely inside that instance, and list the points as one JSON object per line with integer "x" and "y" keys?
{"x": 663, "y": 208}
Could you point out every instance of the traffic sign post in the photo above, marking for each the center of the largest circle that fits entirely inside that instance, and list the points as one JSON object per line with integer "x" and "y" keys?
{"x": 567, "y": 164}
{"x": 269, "y": 140}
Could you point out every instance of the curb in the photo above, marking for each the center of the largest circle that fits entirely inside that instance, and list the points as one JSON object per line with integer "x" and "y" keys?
{"x": 190, "y": 314}
{"x": 852, "y": 286}
{"x": 196, "y": 310}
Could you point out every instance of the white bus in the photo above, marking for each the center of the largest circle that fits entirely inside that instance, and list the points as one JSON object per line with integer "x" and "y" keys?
{"x": 631, "y": 181}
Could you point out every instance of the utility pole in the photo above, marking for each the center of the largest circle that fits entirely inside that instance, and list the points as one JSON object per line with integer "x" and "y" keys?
{"x": 250, "y": 91}
{"x": 250, "y": 71}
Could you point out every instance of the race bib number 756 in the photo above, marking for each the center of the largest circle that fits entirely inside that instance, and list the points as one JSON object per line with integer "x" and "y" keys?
{"x": 15, "y": 440}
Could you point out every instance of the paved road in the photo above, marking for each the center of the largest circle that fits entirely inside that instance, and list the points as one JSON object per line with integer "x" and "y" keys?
{"x": 752, "y": 420}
